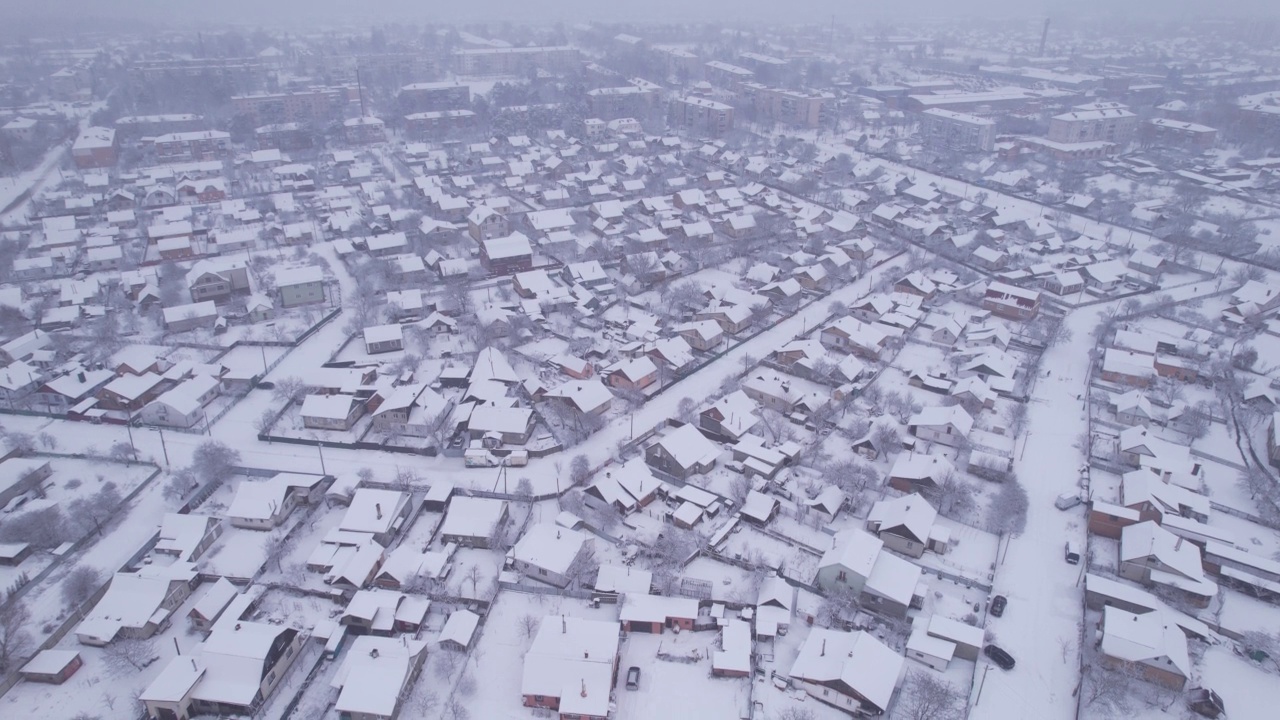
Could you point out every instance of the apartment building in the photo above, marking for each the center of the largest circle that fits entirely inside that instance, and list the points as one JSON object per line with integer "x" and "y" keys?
{"x": 1105, "y": 121}
{"x": 514, "y": 60}
{"x": 701, "y": 116}
{"x": 434, "y": 97}
{"x": 950, "y": 130}
{"x": 790, "y": 107}
{"x": 302, "y": 106}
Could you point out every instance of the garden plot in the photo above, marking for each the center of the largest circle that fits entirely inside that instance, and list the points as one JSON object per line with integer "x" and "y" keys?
{"x": 751, "y": 545}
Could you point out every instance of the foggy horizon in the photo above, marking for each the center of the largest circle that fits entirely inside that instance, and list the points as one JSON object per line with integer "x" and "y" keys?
{"x": 281, "y": 13}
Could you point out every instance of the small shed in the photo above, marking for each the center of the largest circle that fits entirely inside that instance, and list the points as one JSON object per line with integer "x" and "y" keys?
{"x": 459, "y": 629}
{"x": 52, "y": 666}
{"x": 932, "y": 651}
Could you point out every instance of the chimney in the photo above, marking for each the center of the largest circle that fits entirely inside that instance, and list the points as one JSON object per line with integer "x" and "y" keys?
{"x": 193, "y": 666}
{"x": 80, "y": 376}
{"x": 1178, "y": 545}
{"x": 557, "y": 534}
{"x": 237, "y": 626}
{"x": 586, "y": 654}
{"x": 564, "y": 625}
{"x": 584, "y": 687}
{"x": 824, "y": 648}
{"x": 373, "y": 653}
{"x": 378, "y": 508}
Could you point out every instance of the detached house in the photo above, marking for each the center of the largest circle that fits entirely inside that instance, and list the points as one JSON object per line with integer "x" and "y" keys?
{"x": 331, "y": 412}
{"x": 853, "y": 672}
{"x": 217, "y": 279}
{"x": 907, "y": 525}
{"x": 300, "y": 286}
{"x": 681, "y": 453}
{"x": 571, "y": 667}
{"x": 1011, "y": 301}
{"x": 1150, "y": 643}
{"x": 485, "y": 223}
{"x": 945, "y": 425}
{"x": 551, "y": 554}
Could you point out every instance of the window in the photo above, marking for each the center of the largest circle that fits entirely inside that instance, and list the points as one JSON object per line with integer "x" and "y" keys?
{"x": 542, "y": 571}
{"x": 842, "y": 576}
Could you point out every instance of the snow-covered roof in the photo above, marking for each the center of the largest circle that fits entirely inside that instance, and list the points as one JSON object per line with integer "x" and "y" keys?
{"x": 549, "y": 547}
{"x": 857, "y": 660}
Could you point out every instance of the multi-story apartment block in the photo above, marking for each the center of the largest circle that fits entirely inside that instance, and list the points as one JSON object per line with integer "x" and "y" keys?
{"x": 1106, "y": 121}
{"x": 513, "y": 60}
{"x": 948, "y": 130}
{"x": 434, "y": 96}
{"x": 302, "y": 106}
{"x": 790, "y": 107}
{"x": 701, "y": 116}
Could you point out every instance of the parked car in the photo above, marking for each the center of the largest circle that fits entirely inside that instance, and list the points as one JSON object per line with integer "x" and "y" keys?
{"x": 633, "y": 678}
{"x": 997, "y": 605}
{"x": 1068, "y": 500}
{"x": 999, "y": 657}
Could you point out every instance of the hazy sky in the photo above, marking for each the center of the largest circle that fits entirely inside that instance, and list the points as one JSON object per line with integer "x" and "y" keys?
{"x": 571, "y": 11}
{"x": 252, "y": 12}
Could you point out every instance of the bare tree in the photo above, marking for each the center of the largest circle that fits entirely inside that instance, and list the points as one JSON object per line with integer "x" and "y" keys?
{"x": 579, "y": 469}
{"x": 123, "y": 452}
{"x": 886, "y": 439}
{"x": 529, "y": 625}
{"x": 1008, "y": 513}
{"x": 129, "y": 655}
{"x": 15, "y": 641}
{"x": 953, "y": 496}
{"x": 79, "y": 585}
{"x": 926, "y": 696}
{"x": 213, "y": 460}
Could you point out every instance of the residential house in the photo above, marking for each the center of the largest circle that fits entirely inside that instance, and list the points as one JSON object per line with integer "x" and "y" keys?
{"x": 731, "y": 417}
{"x": 681, "y": 453}
{"x": 1011, "y": 301}
{"x": 187, "y": 536}
{"x": 331, "y": 412}
{"x": 181, "y": 318}
{"x": 473, "y": 521}
{"x": 300, "y": 286}
{"x": 376, "y": 676}
{"x": 217, "y": 279}
{"x": 645, "y": 613}
{"x": 183, "y": 405}
{"x": 485, "y": 223}
{"x": 233, "y": 672}
{"x": 507, "y": 255}
{"x": 945, "y": 425}
{"x": 907, "y": 525}
{"x": 552, "y": 554}
{"x": 137, "y": 604}
{"x": 383, "y": 338}
{"x": 853, "y": 672}
{"x": 1149, "y": 643}
{"x": 1151, "y": 555}
{"x": 571, "y": 667}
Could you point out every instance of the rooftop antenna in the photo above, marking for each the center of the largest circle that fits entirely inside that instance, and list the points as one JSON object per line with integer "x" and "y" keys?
{"x": 1044, "y": 36}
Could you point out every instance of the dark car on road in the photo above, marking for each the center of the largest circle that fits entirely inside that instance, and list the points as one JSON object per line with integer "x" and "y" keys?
{"x": 997, "y": 605}
{"x": 999, "y": 657}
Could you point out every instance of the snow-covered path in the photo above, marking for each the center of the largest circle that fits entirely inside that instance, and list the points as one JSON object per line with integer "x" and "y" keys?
{"x": 1045, "y": 593}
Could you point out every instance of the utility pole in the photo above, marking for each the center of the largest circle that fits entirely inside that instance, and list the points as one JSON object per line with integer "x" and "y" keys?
{"x": 163, "y": 447}
{"x": 320, "y": 449}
